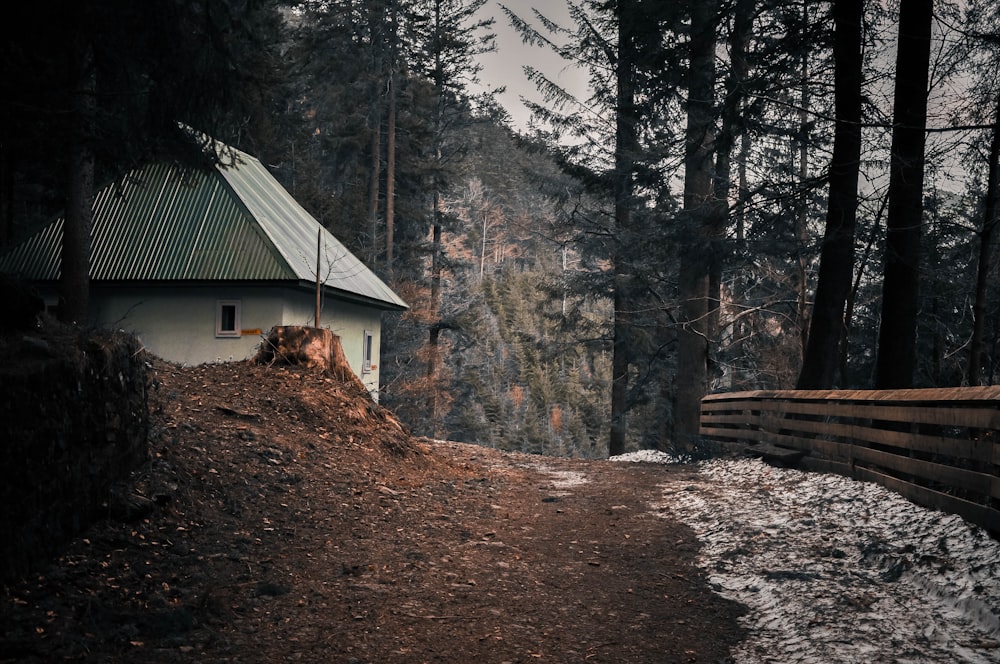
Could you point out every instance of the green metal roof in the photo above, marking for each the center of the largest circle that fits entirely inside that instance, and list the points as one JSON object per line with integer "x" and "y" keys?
{"x": 235, "y": 223}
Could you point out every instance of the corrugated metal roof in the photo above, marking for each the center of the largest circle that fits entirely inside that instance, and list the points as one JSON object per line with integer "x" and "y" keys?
{"x": 166, "y": 223}
{"x": 292, "y": 232}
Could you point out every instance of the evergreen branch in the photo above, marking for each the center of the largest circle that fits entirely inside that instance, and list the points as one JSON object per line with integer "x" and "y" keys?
{"x": 869, "y": 125}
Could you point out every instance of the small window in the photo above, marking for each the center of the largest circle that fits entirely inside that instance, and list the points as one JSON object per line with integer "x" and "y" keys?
{"x": 227, "y": 318}
{"x": 366, "y": 362}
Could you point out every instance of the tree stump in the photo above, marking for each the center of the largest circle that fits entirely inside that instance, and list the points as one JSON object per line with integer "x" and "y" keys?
{"x": 310, "y": 347}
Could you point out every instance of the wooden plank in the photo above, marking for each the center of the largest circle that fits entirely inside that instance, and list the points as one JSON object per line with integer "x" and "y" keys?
{"x": 734, "y": 405}
{"x": 980, "y": 515}
{"x": 959, "y": 478}
{"x": 819, "y": 465}
{"x": 739, "y": 419}
{"x": 840, "y": 449}
{"x": 841, "y": 452}
{"x": 986, "y": 417}
{"x": 975, "y": 451}
{"x": 984, "y": 393}
{"x": 772, "y": 421}
{"x": 797, "y": 442}
{"x": 775, "y": 455}
{"x": 957, "y": 448}
{"x": 721, "y": 397}
{"x": 843, "y": 434}
{"x": 737, "y": 434}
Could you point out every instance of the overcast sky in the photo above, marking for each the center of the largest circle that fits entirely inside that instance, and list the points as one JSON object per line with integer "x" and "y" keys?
{"x": 505, "y": 66}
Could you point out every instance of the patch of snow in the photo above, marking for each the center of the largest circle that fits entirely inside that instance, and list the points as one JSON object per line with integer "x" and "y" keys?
{"x": 564, "y": 479}
{"x": 647, "y": 456}
{"x": 561, "y": 479}
{"x": 836, "y": 570}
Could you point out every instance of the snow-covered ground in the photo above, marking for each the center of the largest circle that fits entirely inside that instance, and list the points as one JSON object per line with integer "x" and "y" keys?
{"x": 835, "y": 570}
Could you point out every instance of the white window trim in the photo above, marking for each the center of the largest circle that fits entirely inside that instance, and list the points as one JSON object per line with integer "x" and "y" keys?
{"x": 367, "y": 350}
{"x": 219, "y": 306}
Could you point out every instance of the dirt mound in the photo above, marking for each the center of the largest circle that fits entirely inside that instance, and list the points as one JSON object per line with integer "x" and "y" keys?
{"x": 283, "y": 516}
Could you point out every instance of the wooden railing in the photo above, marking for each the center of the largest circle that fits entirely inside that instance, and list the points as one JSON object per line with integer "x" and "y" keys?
{"x": 936, "y": 447}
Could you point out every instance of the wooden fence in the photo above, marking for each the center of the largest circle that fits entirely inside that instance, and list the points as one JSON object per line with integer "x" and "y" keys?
{"x": 936, "y": 447}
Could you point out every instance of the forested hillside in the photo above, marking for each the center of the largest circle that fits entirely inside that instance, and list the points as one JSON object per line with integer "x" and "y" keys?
{"x": 758, "y": 194}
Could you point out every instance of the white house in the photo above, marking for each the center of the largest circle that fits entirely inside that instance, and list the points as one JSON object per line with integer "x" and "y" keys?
{"x": 199, "y": 264}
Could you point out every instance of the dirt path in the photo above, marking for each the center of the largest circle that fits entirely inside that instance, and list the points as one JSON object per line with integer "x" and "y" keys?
{"x": 542, "y": 559}
{"x": 293, "y": 522}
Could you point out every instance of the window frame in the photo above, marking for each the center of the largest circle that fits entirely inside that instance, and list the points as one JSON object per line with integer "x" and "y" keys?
{"x": 220, "y": 307}
{"x": 367, "y": 350}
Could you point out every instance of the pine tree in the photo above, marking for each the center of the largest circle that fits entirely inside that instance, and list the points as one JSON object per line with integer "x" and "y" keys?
{"x": 900, "y": 288}
{"x": 820, "y": 362}
{"x": 695, "y": 252}
{"x": 113, "y": 82}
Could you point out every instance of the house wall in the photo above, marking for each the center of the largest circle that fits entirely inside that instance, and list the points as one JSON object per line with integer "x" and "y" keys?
{"x": 349, "y": 322}
{"x": 179, "y": 323}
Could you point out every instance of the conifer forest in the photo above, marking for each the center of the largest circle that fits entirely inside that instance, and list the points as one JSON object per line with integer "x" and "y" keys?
{"x": 753, "y": 194}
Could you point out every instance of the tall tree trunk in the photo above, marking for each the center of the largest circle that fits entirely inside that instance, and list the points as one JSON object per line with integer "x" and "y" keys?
{"x": 390, "y": 169}
{"x": 390, "y": 177}
{"x": 695, "y": 258}
{"x": 434, "y": 333}
{"x": 802, "y": 215}
{"x": 743, "y": 187}
{"x": 852, "y": 298}
{"x": 619, "y": 370}
{"x": 375, "y": 31}
{"x": 75, "y": 271}
{"x": 819, "y": 366}
{"x": 626, "y": 152}
{"x": 6, "y": 195}
{"x": 897, "y": 342}
{"x": 376, "y": 174}
{"x": 433, "y": 337}
{"x": 731, "y": 127}
{"x": 991, "y": 215}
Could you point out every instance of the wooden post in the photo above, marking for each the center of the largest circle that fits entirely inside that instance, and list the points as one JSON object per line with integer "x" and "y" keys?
{"x": 319, "y": 237}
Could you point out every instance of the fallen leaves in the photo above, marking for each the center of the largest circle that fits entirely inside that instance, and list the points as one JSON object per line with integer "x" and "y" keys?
{"x": 292, "y": 513}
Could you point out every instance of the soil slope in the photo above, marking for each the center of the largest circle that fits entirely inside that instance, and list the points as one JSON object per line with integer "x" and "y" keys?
{"x": 283, "y": 516}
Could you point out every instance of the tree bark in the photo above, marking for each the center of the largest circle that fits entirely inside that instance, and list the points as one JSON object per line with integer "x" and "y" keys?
{"x": 900, "y": 288}
{"x": 6, "y": 195}
{"x": 731, "y": 126}
{"x": 991, "y": 215}
{"x": 75, "y": 269}
{"x": 695, "y": 258}
{"x": 626, "y": 151}
{"x": 390, "y": 169}
{"x": 376, "y": 32}
{"x": 434, "y": 332}
{"x": 802, "y": 214}
{"x": 390, "y": 177}
{"x": 819, "y": 366}
{"x": 376, "y": 172}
